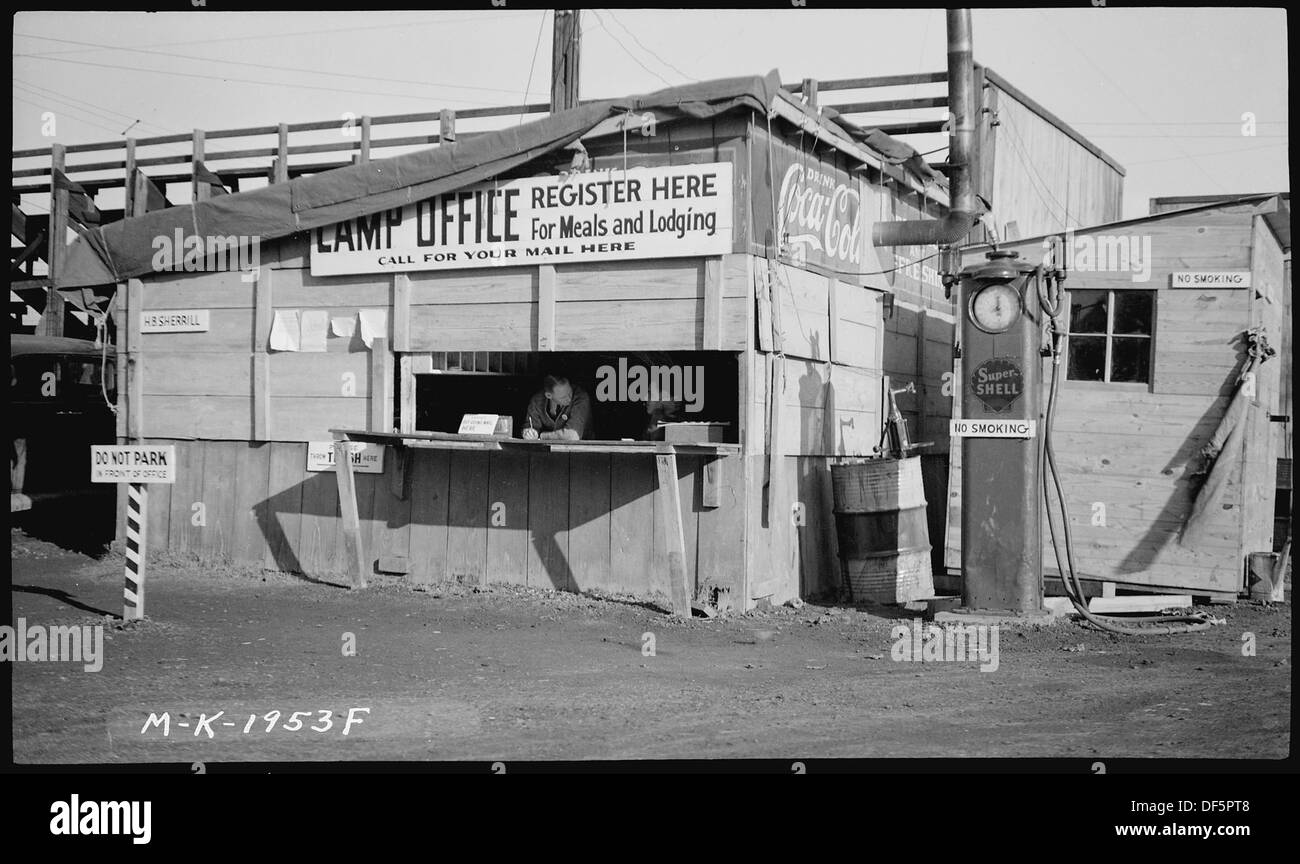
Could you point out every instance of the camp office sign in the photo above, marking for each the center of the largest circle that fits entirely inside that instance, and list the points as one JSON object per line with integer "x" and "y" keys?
{"x": 665, "y": 212}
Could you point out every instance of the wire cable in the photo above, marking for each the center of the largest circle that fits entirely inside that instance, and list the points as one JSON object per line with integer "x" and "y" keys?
{"x": 324, "y": 72}
{"x": 90, "y": 107}
{"x": 495, "y": 15}
{"x": 70, "y": 113}
{"x": 635, "y": 59}
{"x": 610, "y": 13}
{"x": 229, "y": 79}
{"x": 541, "y": 27}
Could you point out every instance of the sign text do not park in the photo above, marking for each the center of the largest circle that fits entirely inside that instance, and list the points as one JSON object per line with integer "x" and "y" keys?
{"x": 133, "y": 464}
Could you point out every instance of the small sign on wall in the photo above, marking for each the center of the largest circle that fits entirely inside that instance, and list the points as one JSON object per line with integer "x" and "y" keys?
{"x": 484, "y": 424}
{"x": 1211, "y": 279}
{"x": 113, "y": 463}
{"x": 174, "y": 321}
{"x": 366, "y": 458}
{"x": 993, "y": 428}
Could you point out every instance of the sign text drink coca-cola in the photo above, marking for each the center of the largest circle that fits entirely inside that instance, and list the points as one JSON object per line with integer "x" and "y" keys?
{"x": 820, "y": 212}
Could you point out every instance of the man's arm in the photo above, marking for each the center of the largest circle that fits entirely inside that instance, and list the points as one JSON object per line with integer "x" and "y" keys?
{"x": 579, "y": 422}
{"x": 562, "y": 434}
{"x": 534, "y": 413}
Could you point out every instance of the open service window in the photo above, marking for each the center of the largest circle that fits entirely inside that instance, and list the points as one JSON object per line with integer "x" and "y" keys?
{"x": 632, "y": 395}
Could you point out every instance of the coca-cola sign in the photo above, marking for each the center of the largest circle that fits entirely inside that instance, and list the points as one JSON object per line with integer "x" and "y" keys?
{"x": 820, "y": 211}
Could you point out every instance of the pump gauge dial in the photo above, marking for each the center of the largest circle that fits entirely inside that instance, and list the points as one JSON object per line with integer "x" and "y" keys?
{"x": 994, "y": 308}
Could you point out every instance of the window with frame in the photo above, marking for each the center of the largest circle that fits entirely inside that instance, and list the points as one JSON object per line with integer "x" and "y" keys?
{"x": 1110, "y": 336}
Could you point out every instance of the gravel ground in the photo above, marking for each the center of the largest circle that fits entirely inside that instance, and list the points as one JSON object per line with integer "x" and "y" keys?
{"x": 506, "y": 673}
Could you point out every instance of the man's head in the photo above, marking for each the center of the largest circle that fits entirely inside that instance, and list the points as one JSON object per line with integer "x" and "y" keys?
{"x": 558, "y": 390}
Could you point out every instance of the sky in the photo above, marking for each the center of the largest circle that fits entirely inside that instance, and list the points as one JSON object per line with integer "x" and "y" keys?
{"x": 1162, "y": 91}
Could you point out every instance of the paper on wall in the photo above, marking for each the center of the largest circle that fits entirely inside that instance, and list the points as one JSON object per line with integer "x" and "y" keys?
{"x": 285, "y": 331}
{"x": 374, "y": 325}
{"x": 344, "y": 327}
{"x": 315, "y": 328}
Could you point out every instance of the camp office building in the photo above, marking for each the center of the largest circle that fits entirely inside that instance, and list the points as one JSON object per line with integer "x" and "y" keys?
{"x": 755, "y": 274}
{"x": 648, "y": 245}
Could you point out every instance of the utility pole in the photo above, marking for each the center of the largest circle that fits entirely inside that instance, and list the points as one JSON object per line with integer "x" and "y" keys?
{"x": 567, "y": 39}
{"x": 52, "y": 319}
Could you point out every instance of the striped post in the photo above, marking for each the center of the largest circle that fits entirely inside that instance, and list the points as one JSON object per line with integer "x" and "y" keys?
{"x": 137, "y": 500}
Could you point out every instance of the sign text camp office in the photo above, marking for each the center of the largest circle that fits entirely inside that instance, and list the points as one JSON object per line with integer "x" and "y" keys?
{"x": 663, "y": 212}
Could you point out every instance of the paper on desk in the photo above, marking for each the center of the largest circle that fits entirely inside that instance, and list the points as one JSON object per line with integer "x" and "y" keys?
{"x": 315, "y": 327}
{"x": 374, "y": 325}
{"x": 285, "y": 333}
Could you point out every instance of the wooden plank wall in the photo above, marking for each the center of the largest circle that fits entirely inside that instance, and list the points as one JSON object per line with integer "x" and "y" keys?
{"x": 310, "y": 393}
{"x": 1259, "y": 467}
{"x": 604, "y": 306}
{"x": 1286, "y": 356}
{"x": 213, "y": 385}
{"x": 919, "y": 332}
{"x": 1132, "y": 449}
{"x": 829, "y": 407}
{"x": 1043, "y": 180}
{"x": 199, "y": 383}
{"x": 576, "y": 522}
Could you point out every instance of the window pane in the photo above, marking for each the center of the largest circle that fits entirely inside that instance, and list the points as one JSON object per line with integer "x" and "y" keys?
{"x": 1133, "y": 312}
{"x": 81, "y": 379}
{"x": 1087, "y": 358}
{"x": 1130, "y": 359}
{"x": 1087, "y": 311}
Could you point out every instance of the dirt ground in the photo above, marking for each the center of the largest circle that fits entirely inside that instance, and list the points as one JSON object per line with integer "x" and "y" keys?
{"x": 455, "y": 673}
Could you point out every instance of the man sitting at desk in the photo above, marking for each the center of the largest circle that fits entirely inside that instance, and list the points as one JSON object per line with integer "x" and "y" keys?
{"x": 559, "y": 411}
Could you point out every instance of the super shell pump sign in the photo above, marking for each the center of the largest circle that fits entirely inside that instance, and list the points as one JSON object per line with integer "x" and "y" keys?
{"x": 998, "y": 383}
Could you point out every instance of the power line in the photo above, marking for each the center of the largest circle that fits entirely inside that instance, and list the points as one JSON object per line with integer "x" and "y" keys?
{"x": 625, "y": 29}
{"x": 226, "y": 78}
{"x": 59, "y": 96}
{"x": 100, "y": 113}
{"x": 1171, "y": 122}
{"x": 1132, "y": 101}
{"x": 40, "y": 107}
{"x": 1188, "y": 137}
{"x": 541, "y": 28}
{"x": 635, "y": 59}
{"x": 481, "y": 19}
{"x": 1215, "y": 153}
{"x": 283, "y": 68}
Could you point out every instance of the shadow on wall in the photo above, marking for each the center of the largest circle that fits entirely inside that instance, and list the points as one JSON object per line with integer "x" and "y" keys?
{"x": 819, "y": 567}
{"x": 1185, "y": 458}
{"x": 570, "y": 522}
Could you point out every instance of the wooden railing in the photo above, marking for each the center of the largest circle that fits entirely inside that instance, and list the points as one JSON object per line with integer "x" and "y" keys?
{"x": 273, "y": 159}
{"x": 811, "y": 89}
{"x": 125, "y": 156}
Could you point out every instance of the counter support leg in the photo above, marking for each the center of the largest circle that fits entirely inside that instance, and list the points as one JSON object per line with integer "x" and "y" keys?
{"x": 678, "y": 576}
{"x": 354, "y": 550}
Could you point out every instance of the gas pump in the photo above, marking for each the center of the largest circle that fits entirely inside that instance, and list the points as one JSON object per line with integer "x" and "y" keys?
{"x": 1011, "y": 319}
{"x": 1001, "y": 395}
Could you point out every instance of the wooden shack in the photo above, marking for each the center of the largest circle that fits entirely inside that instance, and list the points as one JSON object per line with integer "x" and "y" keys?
{"x": 1162, "y": 309}
{"x": 1038, "y": 175}
{"x": 782, "y": 312}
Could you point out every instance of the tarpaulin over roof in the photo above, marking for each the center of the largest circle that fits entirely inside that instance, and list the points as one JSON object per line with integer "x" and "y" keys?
{"x": 127, "y": 247}
{"x": 889, "y": 149}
